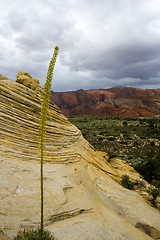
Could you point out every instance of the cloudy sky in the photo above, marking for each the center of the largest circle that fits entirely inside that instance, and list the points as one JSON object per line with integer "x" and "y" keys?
{"x": 103, "y": 43}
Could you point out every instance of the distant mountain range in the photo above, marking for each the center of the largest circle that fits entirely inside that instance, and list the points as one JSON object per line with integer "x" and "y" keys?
{"x": 112, "y": 102}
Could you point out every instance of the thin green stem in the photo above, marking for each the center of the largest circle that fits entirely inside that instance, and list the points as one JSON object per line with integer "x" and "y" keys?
{"x": 42, "y": 189}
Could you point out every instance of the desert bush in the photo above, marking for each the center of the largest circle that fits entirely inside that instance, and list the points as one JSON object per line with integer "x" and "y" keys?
{"x": 154, "y": 192}
{"x": 156, "y": 183}
{"x": 112, "y": 154}
{"x": 111, "y": 138}
{"x": 140, "y": 184}
{"x": 125, "y": 123}
{"x": 126, "y": 183}
{"x": 135, "y": 144}
{"x": 30, "y": 234}
{"x": 150, "y": 168}
{"x": 152, "y": 143}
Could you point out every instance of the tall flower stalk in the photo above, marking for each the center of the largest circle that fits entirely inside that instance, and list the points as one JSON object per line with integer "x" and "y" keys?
{"x": 43, "y": 121}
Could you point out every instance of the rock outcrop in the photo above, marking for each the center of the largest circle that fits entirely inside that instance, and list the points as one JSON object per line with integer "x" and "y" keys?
{"x": 82, "y": 195}
{"x": 26, "y": 79}
{"x": 113, "y": 102}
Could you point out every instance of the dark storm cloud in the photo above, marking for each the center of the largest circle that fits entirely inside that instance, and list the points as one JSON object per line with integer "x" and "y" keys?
{"x": 102, "y": 43}
{"x": 134, "y": 61}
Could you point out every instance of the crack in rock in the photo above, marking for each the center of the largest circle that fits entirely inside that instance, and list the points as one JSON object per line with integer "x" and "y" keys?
{"x": 68, "y": 214}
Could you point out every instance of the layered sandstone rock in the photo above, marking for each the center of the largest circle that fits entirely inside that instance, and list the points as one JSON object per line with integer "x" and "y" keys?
{"x": 26, "y": 79}
{"x": 82, "y": 196}
{"x": 113, "y": 102}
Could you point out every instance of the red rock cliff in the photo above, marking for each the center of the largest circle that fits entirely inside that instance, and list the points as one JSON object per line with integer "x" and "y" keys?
{"x": 113, "y": 102}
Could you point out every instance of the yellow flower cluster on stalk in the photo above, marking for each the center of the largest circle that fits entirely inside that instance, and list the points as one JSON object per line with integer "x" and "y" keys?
{"x": 46, "y": 95}
{"x": 43, "y": 121}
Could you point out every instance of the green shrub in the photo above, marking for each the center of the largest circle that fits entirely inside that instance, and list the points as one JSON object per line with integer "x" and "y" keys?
{"x": 30, "y": 234}
{"x": 150, "y": 168}
{"x": 156, "y": 183}
{"x": 126, "y": 183}
{"x": 154, "y": 192}
{"x": 152, "y": 143}
{"x": 111, "y": 138}
{"x": 125, "y": 123}
{"x": 112, "y": 154}
{"x": 140, "y": 184}
{"x": 135, "y": 144}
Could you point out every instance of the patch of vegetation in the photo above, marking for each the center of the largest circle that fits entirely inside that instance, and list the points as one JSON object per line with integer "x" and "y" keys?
{"x": 126, "y": 183}
{"x": 140, "y": 184}
{"x": 30, "y": 234}
{"x": 111, "y": 154}
{"x": 137, "y": 141}
{"x": 154, "y": 192}
{"x": 149, "y": 168}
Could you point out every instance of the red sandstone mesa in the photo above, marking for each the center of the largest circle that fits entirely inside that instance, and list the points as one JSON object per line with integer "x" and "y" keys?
{"x": 113, "y": 102}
